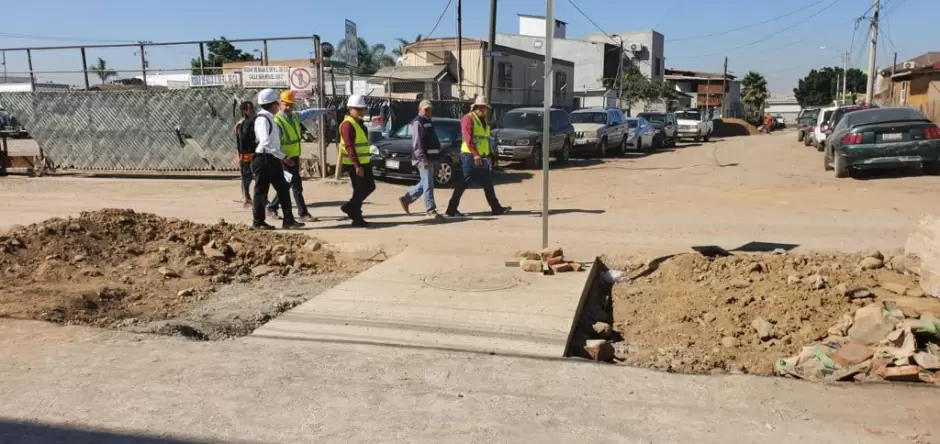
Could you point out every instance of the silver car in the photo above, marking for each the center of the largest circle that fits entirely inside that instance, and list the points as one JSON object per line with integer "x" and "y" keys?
{"x": 640, "y": 133}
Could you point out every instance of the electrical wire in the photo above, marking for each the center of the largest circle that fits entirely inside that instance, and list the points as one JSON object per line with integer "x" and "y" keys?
{"x": 609, "y": 36}
{"x": 14, "y": 35}
{"x": 752, "y": 25}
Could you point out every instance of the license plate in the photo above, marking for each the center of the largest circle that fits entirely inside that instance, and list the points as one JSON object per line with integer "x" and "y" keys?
{"x": 392, "y": 164}
{"x": 891, "y": 136}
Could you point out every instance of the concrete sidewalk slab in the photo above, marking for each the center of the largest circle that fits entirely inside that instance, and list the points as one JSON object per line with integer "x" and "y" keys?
{"x": 440, "y": 301}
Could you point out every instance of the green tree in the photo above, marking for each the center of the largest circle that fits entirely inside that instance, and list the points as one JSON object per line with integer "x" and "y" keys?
{"x": 402, "y": 43}
{"x": 371, "y": 58}
{"x": 219, "y": 52}
{"x": 637, "y": 87}
{"x": 102, "y": 71}
{"x": 822, "y": 86}
{"x": 754, "y": 92}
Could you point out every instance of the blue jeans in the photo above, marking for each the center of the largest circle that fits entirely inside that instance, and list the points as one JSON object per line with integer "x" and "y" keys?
{"x": 425, "y": 186}
{"x": 472, "y": 173}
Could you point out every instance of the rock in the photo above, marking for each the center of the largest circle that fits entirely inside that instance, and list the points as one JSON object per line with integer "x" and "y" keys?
{"x": 851, "y": 354}
{"x": 793, "y": 280}
{"x": 874, "y": 254}
{"x": 924, "y": 244}
{"x": 899, "y": 289}
{"x": 842, "y": 328}
{"x": 815, "y": 282}
{"x": 262, "y": 270}
{"x": 754, "y": 267}
{"x": 927, "y": 361}
{"x": 186, "y": 292}
{"x": 531, "y": 266}
{"x": 599, "y": 350}
{"x": 904, "y": 373}
{"x": 212, "y": 252}
{"x": 871, "y": 263}
{"x": 552, "y": 252}
{"x": 563, "y": 267}
{"x": 531, "y": 255}
{"x": 279, "y": 249}
{"x": 779, "y": 251}
{"x": 729, "y": 342}
{"x": 285, "y": 259}
{"x": 915, "y": 293}
{"x": 739, "y": 283}
{"x": 709, "y": 317}
{"x": 842, "y": 289}
{"x": 78, "y": 257}
{"x": 860, "y": 293}
{"x": 894, "y": 310}
{"x": 311, "y": 246}
{"x": 870, "y": 325}
{"x": 848, "y": 373}
{"x": 75, "y": 228}
{"x": 763, "y": 328}
{"x": 167, "y": 273}
{"x": 602, "y": 329}
{"x": 552, "y": 261}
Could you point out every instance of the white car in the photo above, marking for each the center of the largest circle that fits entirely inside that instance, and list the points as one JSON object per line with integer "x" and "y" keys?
{"x": 819, "y": 131}
{"x": 692, "y": 125}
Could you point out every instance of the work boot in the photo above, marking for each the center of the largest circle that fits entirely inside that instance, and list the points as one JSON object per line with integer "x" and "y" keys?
{"x": 360, "y": 223}
{"x": 455, "y": 215}
{"x": 262, "y": 226}
{"x": 501, "y": 211}
{"x": 307, "y": 218}
{"x": 404, "y": 205}
{"x": 293, "y": 225}
{"x": 433, "y": 214}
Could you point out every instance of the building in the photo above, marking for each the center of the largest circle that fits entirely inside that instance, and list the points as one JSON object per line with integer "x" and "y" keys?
{"x": 598, "y": 57}
{"x": 518, "y": 77}
{"x": 434, "y": 82}
{"x": 783, "y": 105}
{"x": 914, "y": 83}
{"x": 705, "y": 90}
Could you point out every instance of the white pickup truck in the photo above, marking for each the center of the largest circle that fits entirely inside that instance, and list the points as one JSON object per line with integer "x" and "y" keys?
{"x": 692, "y": 125}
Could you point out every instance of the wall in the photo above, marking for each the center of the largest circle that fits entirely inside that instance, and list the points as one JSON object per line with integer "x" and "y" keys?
{"x": 472, "y": 58}
{"x": 588, "y": 57}
{"x": 535, "y": 26}
{"x": 646, "y": 60}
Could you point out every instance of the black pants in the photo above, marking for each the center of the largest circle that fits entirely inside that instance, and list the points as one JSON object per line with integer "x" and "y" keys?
{"x": 362, "y": 187}
{"x": 296, "y": 186}
{"x": 268, "y": 172}
{"x": 247, "y": 177}
{"x": 470, "y": 173}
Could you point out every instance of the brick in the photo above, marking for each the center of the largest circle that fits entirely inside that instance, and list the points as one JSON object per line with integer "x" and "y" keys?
{"x": 530, "y": 265}
{"x": 904, "y": 373}
{"x": 555, "y": 260}
{"x": 851, "y": 354}
{"x": 927, "y": 361}
{"x": 552, "y": 252}
{"x": 599, "y": 350}
{"x": 562, "y": 268}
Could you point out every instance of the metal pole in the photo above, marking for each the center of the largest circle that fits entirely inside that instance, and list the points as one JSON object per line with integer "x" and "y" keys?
{"x": 724, "y": 88}
{"x": 321, "y": 100}
{"x": 845, "y": 75}
{"x": 29, "y": 63}
{"x": 547, "y": 110}
{"x": 265, "y": 56}
{"x": 459, "y": 52}
{"x": 143, "y": 64}
{"x": 870, "y": 90}
{"x": 892, "y": 76}
{"x": 619, "y": 77}
{"x": 85, "y": 68}
{"x": 202, "y": 59}
{"x": 491, "y": 61}
{"x": 4, "y": 66}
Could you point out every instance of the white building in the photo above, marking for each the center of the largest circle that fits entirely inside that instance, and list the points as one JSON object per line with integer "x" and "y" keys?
{"x": 784, "y": 105}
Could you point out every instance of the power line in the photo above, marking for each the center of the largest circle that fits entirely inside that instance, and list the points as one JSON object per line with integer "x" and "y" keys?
{"x": 610, "y": 36}
{"x": 729, "y": 31}
{"x": 62, "y": 39}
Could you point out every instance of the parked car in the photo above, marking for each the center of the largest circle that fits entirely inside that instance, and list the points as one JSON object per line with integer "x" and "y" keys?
{"x": 667, "y": 128}
{"x": 640, "y": 134}
{"x": 391, "y": 157}
{"x": 805, "y": 121}
{"x": 874, "y": 138}
{"x": 822, "y": 125}
{"x": 693, "y": 125}
{"x": 519, "y": 136}
{"x": 597, "y": 130}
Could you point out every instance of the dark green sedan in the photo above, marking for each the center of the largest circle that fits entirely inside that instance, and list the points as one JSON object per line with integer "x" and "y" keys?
{"x": 880, "y": 138}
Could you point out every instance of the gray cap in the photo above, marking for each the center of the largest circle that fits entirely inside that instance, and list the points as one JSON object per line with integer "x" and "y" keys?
{"x": 424, "y": 104}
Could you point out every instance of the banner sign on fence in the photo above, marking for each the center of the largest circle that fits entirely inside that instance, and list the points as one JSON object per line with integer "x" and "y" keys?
{"x": 301, "y": 82}
{"x": 266, "y": 77}
{"x": 215, "y": 80}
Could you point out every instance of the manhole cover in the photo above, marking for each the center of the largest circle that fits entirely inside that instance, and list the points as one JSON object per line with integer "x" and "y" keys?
{"x": 454, "y": 281}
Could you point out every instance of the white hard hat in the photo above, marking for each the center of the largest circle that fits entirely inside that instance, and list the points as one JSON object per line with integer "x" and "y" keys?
{"x": 356, "y": 101}
{"x": 266, "y": 96}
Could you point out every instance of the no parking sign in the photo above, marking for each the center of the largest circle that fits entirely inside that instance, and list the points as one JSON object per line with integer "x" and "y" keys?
{"x": 301, "y": 82}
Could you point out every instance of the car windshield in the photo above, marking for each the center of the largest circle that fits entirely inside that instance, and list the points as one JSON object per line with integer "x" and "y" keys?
{"x": 588, "y": 117}
{"x": 810, "y": 113}
{"x": 632, "y": 123}
{"x": 446, "y": 131}
{"x": 689, "y": 115}
{"x": 880, "y": 115}
{"x": 838, "y": 114}
{"x": 527, "y": 120}
{"x": 655, "y": 118}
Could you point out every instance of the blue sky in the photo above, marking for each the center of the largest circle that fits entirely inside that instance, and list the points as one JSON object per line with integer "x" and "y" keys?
{"x": 789, "y": 46}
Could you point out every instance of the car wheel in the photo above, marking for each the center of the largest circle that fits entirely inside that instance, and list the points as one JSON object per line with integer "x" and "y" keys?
{"x": 807, "y": 141}
{"x": 601, "y": 149}
{"x": 445, "y": 173}
{"x": 535, "y": 159}
{"x": 931, "y": 167}
{"x": 707, "y": 138}
{"x": 827, "y": 162}
{"x": 841, "y": 166}
{"x": 820, "y": 146}
{"x": 799, "y": 136}
{"x": 565, "y": 153}
{"x": 623, "y": 146}
{"x": 698, "y": 138}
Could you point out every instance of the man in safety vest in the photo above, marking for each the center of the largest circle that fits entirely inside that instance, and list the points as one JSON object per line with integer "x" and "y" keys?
{"x": 475, "y": 159}
{"x": 267, "y": 164}
{"x": 288, "y": 121}
{"x": 356, "y": 158}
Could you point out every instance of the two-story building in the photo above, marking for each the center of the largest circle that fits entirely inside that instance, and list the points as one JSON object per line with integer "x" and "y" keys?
{"x": 914, "y": 83}
{"x": 707, "y": 91}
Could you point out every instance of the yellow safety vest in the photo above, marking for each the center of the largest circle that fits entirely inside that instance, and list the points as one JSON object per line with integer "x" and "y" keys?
{"x": 290, "y": 134}
{"x": 361, "y": 144}
{"x": 481, "y": 137}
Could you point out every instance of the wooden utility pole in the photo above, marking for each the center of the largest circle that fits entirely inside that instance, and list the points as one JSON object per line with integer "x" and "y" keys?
{"x": 724, "y": 88}
{"x": 459, "y": 52}
{"x": 872, "y": 52}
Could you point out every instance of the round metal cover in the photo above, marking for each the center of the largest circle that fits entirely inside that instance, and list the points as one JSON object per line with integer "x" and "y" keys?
{"x": 456, "y": 281}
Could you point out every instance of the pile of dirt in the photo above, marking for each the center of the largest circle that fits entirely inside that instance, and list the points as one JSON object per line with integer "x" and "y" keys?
{"x": 734, "y": 127}
{"x": 744, "y": 312}
{"x": 121, "y": 269}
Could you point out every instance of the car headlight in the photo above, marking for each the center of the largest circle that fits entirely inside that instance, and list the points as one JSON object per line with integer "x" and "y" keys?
{"x": 523, "y": 142}
{"x": 374, "y": 150}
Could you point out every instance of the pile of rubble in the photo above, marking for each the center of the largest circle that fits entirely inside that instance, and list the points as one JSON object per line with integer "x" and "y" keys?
{"x": 552, "y": 258}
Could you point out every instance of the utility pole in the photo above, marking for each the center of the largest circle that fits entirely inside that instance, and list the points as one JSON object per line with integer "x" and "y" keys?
{"x": 459, "y": 52}
{"x": 845, "y": 74}
{"x": 724, "y": 88}
{"x": 547, "y": 114}
{"x": 870, "y": 90}
{"x": 620, "y": 77}
{"x": 490, "y": 61}
{"x": 892, "y": 76}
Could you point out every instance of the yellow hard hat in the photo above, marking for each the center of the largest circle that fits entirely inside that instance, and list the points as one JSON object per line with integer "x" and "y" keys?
{"x": 287, "y": 96}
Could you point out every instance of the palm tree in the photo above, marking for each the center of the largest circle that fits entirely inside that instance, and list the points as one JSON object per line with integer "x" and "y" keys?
{"x": 371, "y": 58}
{"x": 101, "y": 70}
{"x": 402, "y": 43}
{"x": 754, "y": 91}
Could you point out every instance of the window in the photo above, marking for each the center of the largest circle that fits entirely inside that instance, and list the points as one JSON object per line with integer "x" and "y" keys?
{"x": 560, "y": 120}
{"x": 504, "y": 80}
{"x": 561, "y": 80}
{"x": 657, "y": 66}
{"x": 904, "y": 92}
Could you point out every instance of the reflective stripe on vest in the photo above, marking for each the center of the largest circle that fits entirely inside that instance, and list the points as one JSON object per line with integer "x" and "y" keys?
{"x": 361, "y": 144}
{"x": 481, "y": 137}
{"x": 290, "y": 134}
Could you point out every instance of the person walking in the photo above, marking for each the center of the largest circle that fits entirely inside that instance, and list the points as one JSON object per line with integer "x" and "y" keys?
{"x": 356, "y": 158}
{"x": 266, "y": 165}
{"x": 427, "y": 150}
{"x": 288, "y": 122}
{"x": 246, "y": 144}
{"x": 475, "y": 159}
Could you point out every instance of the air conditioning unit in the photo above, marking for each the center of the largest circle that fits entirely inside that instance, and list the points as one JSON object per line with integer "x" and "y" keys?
{"x": 909, "y": 65}
{"x": 635, "y": 47}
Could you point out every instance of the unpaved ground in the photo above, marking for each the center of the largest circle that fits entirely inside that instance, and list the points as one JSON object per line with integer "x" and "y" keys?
{"x": 122, "y": 269}
{"x": 696, "y": 314}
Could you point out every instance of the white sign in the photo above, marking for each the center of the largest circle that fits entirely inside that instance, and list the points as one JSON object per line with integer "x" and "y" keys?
{"x": 266, "y": 77}
{"x": 215, "y": 80}
{"x": 301, "y": 82}
{"x": 352, "y": 45}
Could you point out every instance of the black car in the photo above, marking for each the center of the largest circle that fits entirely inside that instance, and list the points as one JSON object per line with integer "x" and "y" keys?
{"x": 667, "y": 128}
{"x": 391, "y": 156}
{"x": 805, "y": 123}
{"x": 519, "y": 136}
{"x": 883, "y": 138}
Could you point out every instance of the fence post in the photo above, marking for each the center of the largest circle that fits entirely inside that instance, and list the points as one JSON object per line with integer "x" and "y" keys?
{"x": 32, "y": 77}
{"x": 85, "y": 68}
{"x": 321, "y": 101}
{"x": 265, "y": 61}
{"x": 143, "y": 64}
{"x": 202, "y": 59}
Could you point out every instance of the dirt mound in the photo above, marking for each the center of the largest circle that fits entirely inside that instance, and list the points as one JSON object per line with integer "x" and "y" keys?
{"x": 741, "y": 313}
{"x": 118, "y": 268}
{"x": 734, "y": 127}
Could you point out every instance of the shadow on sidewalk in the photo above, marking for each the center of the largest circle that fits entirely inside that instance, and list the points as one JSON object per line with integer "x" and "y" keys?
{"x": 12, "y": 431}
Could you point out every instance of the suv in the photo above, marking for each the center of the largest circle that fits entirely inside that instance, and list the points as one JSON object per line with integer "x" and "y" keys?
{"x": 805, "y": 122}
{"x": 819, "y": 130}
{"x": 693, "y": 125}
{"x": 598, "y": 129}
{"x": 667, "y": 128}
{"x": 519, "y": 136}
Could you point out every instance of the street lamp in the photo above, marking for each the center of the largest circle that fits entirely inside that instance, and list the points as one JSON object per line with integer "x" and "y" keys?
{"x": 845, "y": 73}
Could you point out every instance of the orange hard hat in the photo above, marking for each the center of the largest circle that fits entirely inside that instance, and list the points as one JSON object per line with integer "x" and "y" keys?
{"x": 287, "y": 96}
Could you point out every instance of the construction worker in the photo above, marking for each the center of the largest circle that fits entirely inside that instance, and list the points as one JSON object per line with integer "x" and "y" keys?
{"x": 267, "y": 163}
{"x": 475, "y": 159}
{"x": 424, "y": 157}
{"x": 288, "y": 122}
{"x": 356, "y": 158}
{"x": 246, "y": 144}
